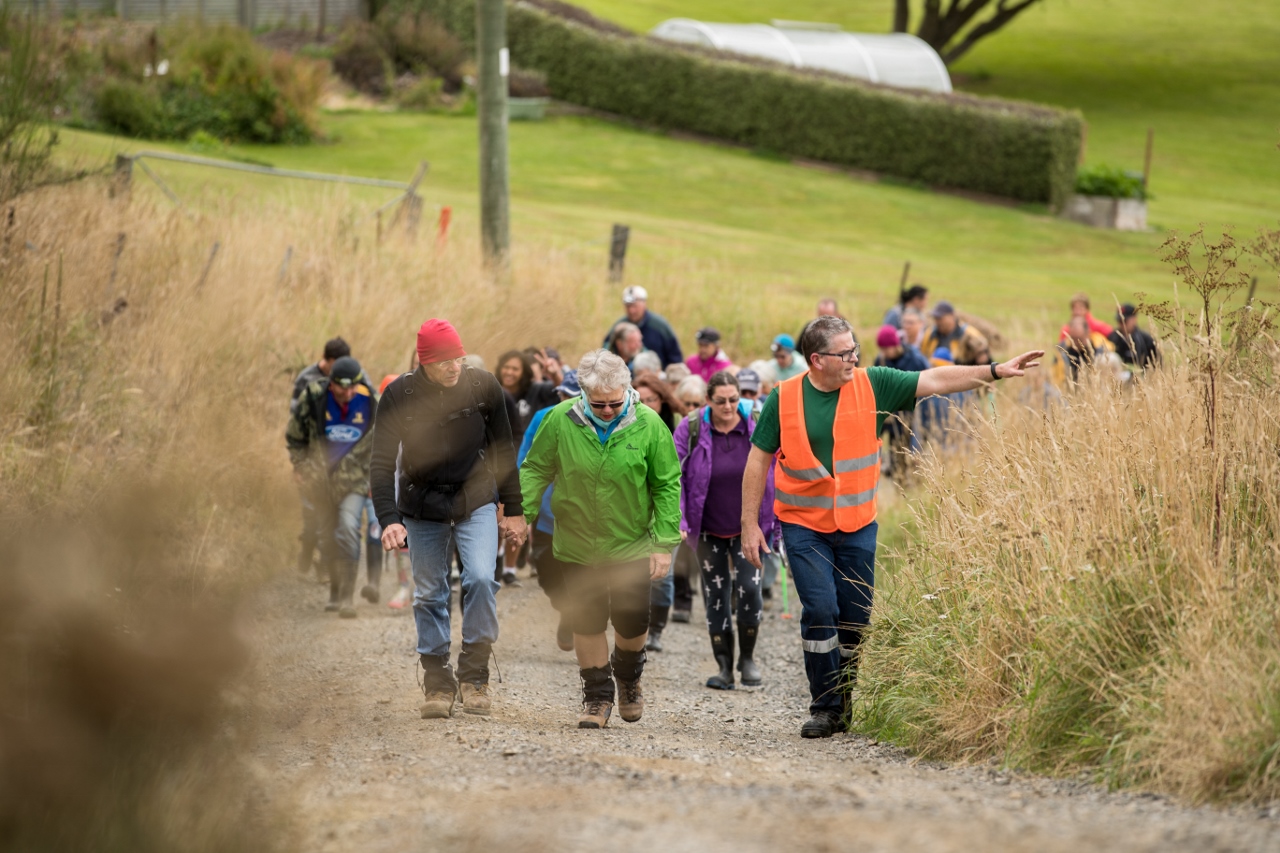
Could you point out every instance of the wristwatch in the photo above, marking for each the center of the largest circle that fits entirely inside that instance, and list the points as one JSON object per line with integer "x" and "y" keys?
{"x": 994, "y": 375}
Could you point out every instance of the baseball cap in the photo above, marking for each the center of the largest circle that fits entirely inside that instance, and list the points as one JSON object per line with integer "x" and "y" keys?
{"x": 552, "y": 352}
{"x": 569, "y": 386}
{"x": 942, "y": 309}
{"x": 345, "y": 372}
{"x": 1127, "y": 310}
{"x": 748, "y": 380}
{"x": 708, "y": 335}
{"x": 783, "y": 342}
{"x": 943, "y": 354}
{"x": 635, "y": 293}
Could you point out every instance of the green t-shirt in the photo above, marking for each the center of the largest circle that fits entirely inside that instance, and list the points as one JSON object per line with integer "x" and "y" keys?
{"x": 895, "y": 391}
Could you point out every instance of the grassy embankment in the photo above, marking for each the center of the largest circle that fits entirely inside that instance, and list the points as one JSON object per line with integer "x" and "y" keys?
{"x": 793, "y": 234}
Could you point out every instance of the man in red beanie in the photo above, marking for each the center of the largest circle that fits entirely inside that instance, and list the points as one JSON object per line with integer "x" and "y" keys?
{"x": 443, "y": 464}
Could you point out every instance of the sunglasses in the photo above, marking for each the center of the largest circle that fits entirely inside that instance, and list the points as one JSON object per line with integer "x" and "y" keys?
{"x": 342, "y": 383}
{"x": 615, "y": 405}
{"x": 725, "y": 401}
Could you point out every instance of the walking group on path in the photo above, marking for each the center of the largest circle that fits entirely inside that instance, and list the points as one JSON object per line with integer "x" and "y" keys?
{"x": 612, "y": 471}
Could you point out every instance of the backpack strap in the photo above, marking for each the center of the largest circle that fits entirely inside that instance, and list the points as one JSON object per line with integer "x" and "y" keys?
{"x": 694, "y": 421}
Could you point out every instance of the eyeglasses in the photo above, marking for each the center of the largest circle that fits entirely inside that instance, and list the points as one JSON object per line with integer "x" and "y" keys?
{"x": 615, "y": 405}
{"x": 722, "y": 401}
{"x": 848, "y": 356}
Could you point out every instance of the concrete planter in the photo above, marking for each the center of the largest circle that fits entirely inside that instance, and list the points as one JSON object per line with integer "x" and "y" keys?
{"x": 527, "y": 109}
{"x": 1122, "y": 214}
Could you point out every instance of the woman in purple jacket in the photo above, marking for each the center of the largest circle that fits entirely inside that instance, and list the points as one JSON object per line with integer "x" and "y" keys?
{"x": 713, "y": 443}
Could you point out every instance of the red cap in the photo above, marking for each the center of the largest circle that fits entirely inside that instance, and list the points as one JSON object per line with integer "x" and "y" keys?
{"x": 438, "y": 341}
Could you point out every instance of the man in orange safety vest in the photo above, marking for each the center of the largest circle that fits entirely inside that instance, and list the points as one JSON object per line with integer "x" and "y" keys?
{"x": 823, "y": 428}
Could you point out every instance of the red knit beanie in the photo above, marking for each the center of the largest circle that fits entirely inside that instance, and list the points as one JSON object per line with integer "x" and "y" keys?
{"x": 438, "y": 341}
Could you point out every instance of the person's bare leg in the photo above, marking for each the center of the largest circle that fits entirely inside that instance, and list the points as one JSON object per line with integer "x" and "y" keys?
{"x": 592, "y": 649}
{"x": 635, "y": 644}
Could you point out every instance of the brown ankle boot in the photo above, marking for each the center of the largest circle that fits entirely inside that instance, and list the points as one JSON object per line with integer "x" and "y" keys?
{"x": 627, "y": 669}
{"x": 439, "y": 688}
{"x": 630, "y": 700}
{"x": 597, "y": 697}
{"x": 476, "y": 699}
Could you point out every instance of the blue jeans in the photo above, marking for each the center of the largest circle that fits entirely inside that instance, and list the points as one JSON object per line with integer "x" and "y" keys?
{"x": 663, "y": 592}
{"x": 346, "y": 530}
{"x": 834, "y": 575}
{"x": 477, "y": 539}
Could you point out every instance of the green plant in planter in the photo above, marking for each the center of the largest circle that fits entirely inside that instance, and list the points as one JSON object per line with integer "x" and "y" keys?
{"x": 1111, "y": 182}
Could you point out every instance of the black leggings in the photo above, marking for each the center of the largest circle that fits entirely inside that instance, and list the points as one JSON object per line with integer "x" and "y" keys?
{"x": 723, "y": 565}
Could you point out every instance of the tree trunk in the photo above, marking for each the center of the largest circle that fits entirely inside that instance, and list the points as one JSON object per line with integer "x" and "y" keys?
{"x": 949, "y": 27}
{"x": 901, "y": 15}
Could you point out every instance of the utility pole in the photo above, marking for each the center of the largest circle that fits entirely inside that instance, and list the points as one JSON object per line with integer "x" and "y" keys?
{"x": 491, "y": 53}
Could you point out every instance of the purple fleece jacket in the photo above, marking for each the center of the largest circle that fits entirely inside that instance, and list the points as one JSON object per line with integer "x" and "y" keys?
{"x": 695, "y": 479}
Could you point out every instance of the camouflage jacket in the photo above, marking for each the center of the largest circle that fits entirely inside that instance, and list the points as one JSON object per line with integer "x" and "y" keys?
{"x": 308, "y": 450}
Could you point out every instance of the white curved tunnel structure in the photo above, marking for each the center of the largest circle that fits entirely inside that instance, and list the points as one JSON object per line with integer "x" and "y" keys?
{"x": 894, "y": 59}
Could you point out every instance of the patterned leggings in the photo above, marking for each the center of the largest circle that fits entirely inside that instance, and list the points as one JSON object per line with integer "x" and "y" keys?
{"x": 723, "y": 567}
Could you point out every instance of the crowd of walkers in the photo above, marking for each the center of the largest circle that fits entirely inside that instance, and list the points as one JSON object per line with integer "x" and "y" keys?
{"x": 629, "y": 480}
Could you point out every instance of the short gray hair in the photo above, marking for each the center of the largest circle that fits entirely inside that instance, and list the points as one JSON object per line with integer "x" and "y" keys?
{"x": 624, "y": 330}
{"x": 694, "y": 387}
{"x": 601, "y": 370}
{"x": 647, "y": 360}
{"x": 817, "y": 335}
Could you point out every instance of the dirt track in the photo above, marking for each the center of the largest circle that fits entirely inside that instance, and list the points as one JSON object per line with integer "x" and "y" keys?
{"x": 348, "y": 759}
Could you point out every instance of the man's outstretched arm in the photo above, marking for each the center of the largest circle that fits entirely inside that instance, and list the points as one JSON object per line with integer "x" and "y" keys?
{"x": 953, "y": 379}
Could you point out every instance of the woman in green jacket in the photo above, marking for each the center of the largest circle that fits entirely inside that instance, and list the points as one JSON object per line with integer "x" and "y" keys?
{"x": 617, "y": 518}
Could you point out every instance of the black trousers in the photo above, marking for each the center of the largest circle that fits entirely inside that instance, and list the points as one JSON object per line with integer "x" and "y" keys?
{"x": 551, "y": 572}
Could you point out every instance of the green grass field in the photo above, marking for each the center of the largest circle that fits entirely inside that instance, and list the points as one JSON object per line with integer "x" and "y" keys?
{"x": 793, "y": 234}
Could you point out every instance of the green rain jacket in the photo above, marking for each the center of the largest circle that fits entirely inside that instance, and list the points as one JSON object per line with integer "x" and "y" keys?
{"x": 613, "y": 502}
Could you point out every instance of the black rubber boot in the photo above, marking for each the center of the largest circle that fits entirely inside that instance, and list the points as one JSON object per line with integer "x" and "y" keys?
{"x": 334, "y": 570}
{"x": 746, "y": 656}
{"x": 657, "y": 621}
{"x": 473, "y": 663}
{"x": 347, "y": 569}
{"x": 822, "y": 724}
{"x": 722, "y": 650}
{"x": 373, "y": 572}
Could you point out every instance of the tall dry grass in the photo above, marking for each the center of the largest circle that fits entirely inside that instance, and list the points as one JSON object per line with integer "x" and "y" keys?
{"x": 145, "y": 488}
{"x": 1095, "y": 587}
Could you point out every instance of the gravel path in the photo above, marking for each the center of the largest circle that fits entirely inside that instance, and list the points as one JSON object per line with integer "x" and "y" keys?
{"x": 346, "y": 757}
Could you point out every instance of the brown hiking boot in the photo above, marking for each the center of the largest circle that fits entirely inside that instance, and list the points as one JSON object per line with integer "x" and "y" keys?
{"x": 476, "y": 699}
{"x": 630, "y": 700}
{"x": 438, "y": 703}
{"x": 439, "y": 687}
{"x": 595, "y": 714}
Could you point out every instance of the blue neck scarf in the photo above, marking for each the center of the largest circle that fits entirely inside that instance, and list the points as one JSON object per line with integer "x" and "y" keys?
{"x": 605, "y": 428}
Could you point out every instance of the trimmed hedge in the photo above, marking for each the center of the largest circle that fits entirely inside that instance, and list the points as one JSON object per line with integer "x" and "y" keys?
{"x": 1019, "y": 151}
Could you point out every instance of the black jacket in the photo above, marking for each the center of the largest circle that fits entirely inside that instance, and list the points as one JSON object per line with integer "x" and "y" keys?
{"x": 1142, "y": 353}
{"x": 441, "y": 453}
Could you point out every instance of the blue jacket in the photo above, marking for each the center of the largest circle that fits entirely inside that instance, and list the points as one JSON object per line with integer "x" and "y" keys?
{"x": 911, "y": 360}
{"x": 658, "y": 337}
{"x": 546, "y": 521}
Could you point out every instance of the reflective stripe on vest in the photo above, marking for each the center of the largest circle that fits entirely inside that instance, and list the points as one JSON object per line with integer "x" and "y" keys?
{"x": 806, "y": 493}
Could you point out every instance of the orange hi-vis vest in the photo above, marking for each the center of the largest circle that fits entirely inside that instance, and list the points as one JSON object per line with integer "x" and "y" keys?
{"x": 806, "y": 492}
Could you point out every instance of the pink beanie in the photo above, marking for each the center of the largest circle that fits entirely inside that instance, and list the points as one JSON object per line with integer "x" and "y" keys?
{"x": 887, "y": 337}
{"x": 438, "y": 341}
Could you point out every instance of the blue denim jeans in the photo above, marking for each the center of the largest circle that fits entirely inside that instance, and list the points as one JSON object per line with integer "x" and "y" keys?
{"x": 346, "y": 531}
{"x": 834, "y": 575}
{"x": 477, "y": 540}
{"x": 663, "y": 592}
